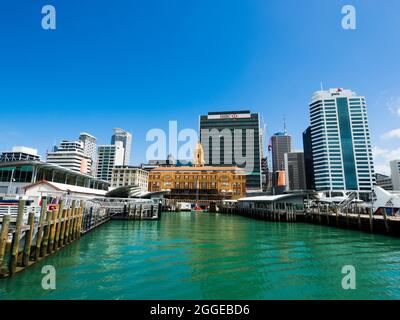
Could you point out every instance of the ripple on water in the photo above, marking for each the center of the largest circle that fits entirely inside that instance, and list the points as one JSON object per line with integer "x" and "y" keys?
{"x": 211, "y": 256}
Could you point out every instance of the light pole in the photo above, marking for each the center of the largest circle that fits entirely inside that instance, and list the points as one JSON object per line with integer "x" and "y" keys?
{"x": 11, "y": 181}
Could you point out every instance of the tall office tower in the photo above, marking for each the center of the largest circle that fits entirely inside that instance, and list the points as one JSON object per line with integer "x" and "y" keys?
{"x": 233, "y": 139}
{"x": 308, "y": 159}
{"x": 395, "y": 173}
{"x": 126, "y": 139}
{"x": 281, "y": 143}
{"x": 109, "y": 156}
{"x": 70, "y": 154}
{"x": 90, "y": 148}
{"x": 341, "y": 143}
{"x": 295, "y": 171}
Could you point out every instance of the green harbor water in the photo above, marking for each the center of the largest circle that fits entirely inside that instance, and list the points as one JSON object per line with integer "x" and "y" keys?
{"x": 213, "y": 256}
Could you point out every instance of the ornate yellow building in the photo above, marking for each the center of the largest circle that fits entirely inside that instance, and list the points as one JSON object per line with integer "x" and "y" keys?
{"x": 199, "y": 184}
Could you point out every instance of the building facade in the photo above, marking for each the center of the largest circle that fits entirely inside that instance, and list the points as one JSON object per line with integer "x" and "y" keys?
{"x": 109, "y": 156}
{"x": 384, "y": 181}
{"x": 126, "y": 139}
{"x": 16, "y": 175}
{"x": 233, "y": 139}
{"x": 308, "y": 159}
{"x": 90, "y": 149}
{"x": 281, "y": 143}
{"x": 200, "y": 185}
{"x": 295, "y": 171}
{"x": 124, "y": 176}
{"x": 71, "y": 155}
{"x": 341, "y": 144}
{"x": 19, "y": 154}
{"x": 395, "y": 173}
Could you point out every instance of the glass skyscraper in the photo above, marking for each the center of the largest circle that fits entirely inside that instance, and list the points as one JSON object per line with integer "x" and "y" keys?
{"x": 341, "y": 145}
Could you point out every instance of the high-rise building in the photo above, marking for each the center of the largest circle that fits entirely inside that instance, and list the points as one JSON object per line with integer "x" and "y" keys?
{"x": 126, "y": 139}
{"x": 395, "y": 173}
{"x": 89, "y": 148}
{"x": 109, "y": 156}
{"x": 19, "y": 154}
{"x": 341, "y": 142}
{"x": 70, "y": 154}
{"x": 233, "y": 139}
{"x": 308, "y": 159}
{"x": 295, "y": 171}
{"x": 281, "y": 143}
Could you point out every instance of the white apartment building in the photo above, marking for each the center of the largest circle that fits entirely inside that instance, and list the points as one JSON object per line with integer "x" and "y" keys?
{"x": 70, "y": 155}
{"x": 123, "y": 176}
{"x": 109, "y": 156}
{"x": 341, "y": 145}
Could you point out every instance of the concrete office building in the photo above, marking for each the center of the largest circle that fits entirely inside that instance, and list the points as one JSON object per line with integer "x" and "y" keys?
{"x": 295, "y": 171}
{"x": 126, "y": 139}
{"x": 341, "y": 142}
{"x": 109, "y": 156}
{"x": 232, "y": 138}
{"x": 124, "y": 176}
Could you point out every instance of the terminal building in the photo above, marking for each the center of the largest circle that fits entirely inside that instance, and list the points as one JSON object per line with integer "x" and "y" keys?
{"x": 199, "y": 184}
{"x": 19, "y": 154}
{"x": 15, "y": 176}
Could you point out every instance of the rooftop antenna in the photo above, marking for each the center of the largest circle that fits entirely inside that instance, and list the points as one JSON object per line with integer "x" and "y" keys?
{"x": 322, "y": 87}
{"x": 284, "y": 126}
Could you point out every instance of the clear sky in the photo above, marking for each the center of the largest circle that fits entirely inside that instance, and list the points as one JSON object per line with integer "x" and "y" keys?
{"x": 138, "y": 64}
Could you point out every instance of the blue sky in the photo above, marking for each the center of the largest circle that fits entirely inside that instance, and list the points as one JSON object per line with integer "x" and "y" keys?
{"x": 138, "y": 64}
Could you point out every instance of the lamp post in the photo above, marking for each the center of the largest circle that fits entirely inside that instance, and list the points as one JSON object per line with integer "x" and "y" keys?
{"x": 11, "y": 181}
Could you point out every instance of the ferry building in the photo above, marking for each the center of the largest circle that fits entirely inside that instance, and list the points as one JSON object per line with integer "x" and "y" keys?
{"x": 199, "y": 184}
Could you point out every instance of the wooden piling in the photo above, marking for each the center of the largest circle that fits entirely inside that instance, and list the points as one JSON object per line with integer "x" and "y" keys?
{"x": 3, "y": 243}
{"x": 50, "y": 245}
{"x": 371, "y": 224}
{"x": 72, "y": 224}
{"x": 58, "y": 225}
{"x": 46, "y": 234}
{"x": 63, "y": 225}
{"x": 40, "y": 231}
{"x": 67, "y": 224}
{"x": 28, "y": 240}
{"x": 82, "y": 211}
{"x": 16, "y": 237}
